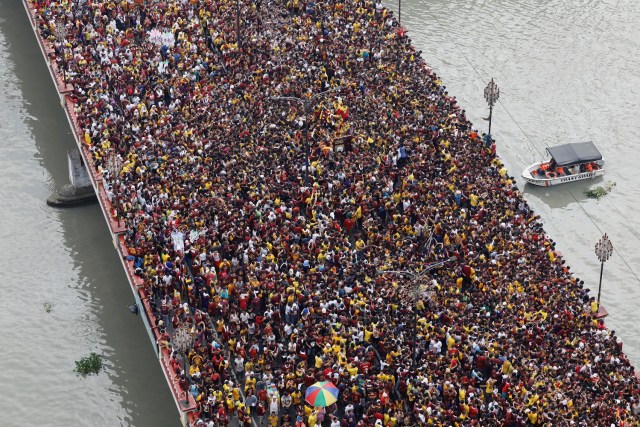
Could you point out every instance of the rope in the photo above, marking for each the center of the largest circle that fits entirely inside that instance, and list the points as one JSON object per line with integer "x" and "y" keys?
{"x": 446, "y": 31}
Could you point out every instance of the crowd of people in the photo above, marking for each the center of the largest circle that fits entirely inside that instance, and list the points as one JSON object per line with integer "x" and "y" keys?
{"x": 306, "y": 198}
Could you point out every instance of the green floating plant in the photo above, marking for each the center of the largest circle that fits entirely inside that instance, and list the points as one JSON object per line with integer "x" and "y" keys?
{"x": 600, "y": 191}
{"x": 91, "y": 364}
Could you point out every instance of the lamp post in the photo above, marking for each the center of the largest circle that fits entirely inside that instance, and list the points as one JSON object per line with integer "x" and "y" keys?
{"x": 491, "y": 94}
{"x": 604, "y": 249}
{"x": 399, "y": 10}
{"x": 182, "y": 342}
{"x": 307, "y": 105}
{"x": 414, "y": 293}
{"x": 238, "y": 24}
{"x": 60, "y": 32}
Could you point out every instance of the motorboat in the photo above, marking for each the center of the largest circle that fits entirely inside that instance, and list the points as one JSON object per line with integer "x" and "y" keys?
{"x": 568, "y": 163}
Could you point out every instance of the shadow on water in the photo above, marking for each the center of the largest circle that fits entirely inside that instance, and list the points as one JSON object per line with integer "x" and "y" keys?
{"x": 40, "y": 100}
{"x": 561, "y": 196}
{"x": 135, "y": 373}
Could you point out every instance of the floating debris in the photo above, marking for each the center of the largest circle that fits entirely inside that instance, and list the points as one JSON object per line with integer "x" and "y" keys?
{"x": 600, "y": 191}
{"x": 89, "y": 365}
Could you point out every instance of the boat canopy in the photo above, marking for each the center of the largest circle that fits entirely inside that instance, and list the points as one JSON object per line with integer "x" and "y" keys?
{"x": 579, "y": 152}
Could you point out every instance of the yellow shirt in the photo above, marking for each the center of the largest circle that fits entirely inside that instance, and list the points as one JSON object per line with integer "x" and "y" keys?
{"x": 353, "y": 371}
{"x": 312, "y": 419}
{"x": 251, "y": 382}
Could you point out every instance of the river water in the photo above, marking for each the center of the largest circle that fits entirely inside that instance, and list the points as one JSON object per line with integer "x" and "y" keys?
{"x": 567, "y": 71}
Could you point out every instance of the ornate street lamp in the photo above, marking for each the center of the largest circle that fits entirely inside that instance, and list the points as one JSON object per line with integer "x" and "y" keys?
{"x": 60, "y": 32}
{"x": 491, "y": 94}
{"x": 182, "y": 341}
{"x": 604, "y": 249}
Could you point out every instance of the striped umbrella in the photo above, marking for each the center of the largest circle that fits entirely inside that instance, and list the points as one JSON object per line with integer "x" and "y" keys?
{"x": 323, "y": 393}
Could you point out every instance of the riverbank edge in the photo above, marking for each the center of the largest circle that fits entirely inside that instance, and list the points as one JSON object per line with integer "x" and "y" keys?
{"x": 187, "y": 409}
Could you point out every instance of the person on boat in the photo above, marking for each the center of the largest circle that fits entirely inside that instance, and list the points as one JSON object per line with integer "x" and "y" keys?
{"x": 542, "y": 170}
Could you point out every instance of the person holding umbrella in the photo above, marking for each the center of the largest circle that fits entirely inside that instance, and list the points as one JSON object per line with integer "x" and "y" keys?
{"x": 321, "y": 394}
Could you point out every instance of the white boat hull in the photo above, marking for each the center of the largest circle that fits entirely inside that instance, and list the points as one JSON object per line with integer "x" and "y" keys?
{"x": 543, "y": 181}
